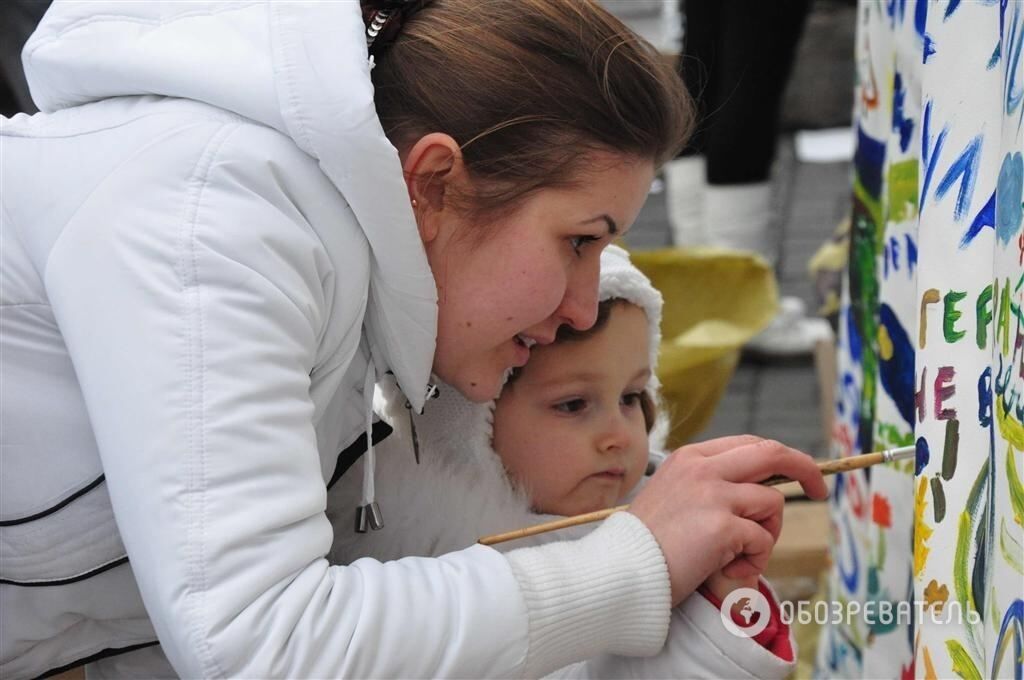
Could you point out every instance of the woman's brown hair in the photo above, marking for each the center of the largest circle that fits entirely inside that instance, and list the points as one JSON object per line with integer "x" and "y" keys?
{"x": 528, "y": 89}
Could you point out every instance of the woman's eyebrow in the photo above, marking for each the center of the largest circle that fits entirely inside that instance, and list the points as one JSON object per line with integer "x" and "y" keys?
{"x": 612, "y": 227}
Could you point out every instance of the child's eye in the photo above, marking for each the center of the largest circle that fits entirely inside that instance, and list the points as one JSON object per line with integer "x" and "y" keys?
{"x": 571, "y": 406}
{"x": 631, "y": 399}
{"x": 577, "y": 242}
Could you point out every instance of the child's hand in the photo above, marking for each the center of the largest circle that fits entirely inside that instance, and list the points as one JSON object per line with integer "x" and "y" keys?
{"x": 721, "y": 585}
{"x": 708, "y": 512}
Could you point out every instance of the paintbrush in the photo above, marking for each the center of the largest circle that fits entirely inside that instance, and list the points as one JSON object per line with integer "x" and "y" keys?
{"x": 830, "y": 467}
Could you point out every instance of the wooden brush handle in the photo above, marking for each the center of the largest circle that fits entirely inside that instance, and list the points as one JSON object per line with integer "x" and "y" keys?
{"x": 830, "y": 467}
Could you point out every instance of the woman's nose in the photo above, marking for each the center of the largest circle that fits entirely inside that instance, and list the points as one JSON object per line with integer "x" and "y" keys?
{"x": 579, "y": 306}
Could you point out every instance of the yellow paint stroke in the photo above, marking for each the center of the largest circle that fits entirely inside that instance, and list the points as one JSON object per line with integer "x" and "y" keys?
{"x": 963, "y": 664}
{"x": 1010, "y": 548}
{"x": 1012, "y": 430}
{"x": 929, "y": 666}
{"x": 922, "y": 532}
{"x": 1016, "y": 487}
{"x": 885, "y": 349}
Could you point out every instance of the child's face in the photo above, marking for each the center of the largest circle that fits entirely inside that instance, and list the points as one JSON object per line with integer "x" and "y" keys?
{"x": 570, "y": 429}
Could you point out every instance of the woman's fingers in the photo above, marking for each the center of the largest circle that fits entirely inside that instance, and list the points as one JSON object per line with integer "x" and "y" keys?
{"x": 713, "y": 447}
{"x": 761, "y": 504}
{"x": 756, "y": 545}
{"x": 764, "y": 458}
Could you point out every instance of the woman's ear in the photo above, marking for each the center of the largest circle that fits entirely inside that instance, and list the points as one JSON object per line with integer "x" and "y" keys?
{"x": 431, "y": 167}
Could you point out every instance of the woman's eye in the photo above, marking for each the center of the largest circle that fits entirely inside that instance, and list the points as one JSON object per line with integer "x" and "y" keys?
{"x": 578, "y": 242}
{"x": 571, "y": 406}
{"x": 631, "y": 399}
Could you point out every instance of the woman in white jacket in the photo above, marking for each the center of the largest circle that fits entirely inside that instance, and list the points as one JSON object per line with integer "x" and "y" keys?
{"x": 217, "y": 236}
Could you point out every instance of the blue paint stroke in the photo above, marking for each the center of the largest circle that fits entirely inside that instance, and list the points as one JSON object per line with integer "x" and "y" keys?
{"x": 986, "y": 217}
{"x": 900, "y": 121}
{"x": 965, "y": 169}
{"x": 897, "y": 11}
{"x": 852, "y": 336}
{"x": 929, "y": 152}
{"x": 950, "y": 8}
{"x": 1012, "y": 86}
{"x": 922, "y": 455}
{"x": 928, "y": 49}
{"x": 1014, "y": 616}
{"x": 851, "y": 577}
{"x": 868, "y": 161}
{"x": 897, "y": 372}
{"x": 985, "y": 397}
{"x": 1010, "y": 186}
{"x": 911, "y": 253}
{"x": 920, "y": 17}
{"x": 994, "y": 59}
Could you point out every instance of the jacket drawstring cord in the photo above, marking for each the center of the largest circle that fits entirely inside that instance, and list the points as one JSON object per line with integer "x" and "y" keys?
{"x": 368, "y": 515}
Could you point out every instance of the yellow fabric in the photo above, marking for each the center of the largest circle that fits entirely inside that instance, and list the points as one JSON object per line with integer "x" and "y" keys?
{"x": 715, "y": 301}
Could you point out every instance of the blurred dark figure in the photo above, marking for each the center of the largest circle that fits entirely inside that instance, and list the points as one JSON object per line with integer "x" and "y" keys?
{"x": 18, "y": 18}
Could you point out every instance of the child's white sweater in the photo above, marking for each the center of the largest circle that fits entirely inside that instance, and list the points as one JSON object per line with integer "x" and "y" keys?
{"x": 459, "y": 492}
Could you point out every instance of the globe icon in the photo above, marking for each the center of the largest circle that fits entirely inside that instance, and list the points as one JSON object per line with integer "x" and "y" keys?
{"x": 751, "y": 607}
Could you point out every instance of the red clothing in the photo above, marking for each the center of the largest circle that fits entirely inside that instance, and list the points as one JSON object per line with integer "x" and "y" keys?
{"x": 775, "y": 637}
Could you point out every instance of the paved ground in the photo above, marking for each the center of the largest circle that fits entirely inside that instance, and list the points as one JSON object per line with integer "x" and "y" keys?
{"x": 779, "y": 400}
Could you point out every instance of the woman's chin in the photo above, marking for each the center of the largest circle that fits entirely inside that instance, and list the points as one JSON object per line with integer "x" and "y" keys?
{"x": 476, "y": 386}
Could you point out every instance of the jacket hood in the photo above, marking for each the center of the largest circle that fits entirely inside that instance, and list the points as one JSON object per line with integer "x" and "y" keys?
{"x": 300, "y": 68}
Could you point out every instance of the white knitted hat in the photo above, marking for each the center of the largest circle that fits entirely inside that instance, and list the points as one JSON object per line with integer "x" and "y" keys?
{"x": 621, "y": 280}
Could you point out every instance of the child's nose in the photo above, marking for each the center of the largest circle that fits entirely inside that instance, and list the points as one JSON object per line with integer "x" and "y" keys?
{"x": 614, "y": 434}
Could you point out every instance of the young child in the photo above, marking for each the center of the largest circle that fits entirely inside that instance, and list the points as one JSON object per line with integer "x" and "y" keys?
{"x": 572, "y": 432}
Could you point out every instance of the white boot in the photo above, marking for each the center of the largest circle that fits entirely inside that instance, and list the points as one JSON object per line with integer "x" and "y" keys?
{"x": 740, "y": 216}
{"x": 684, "y": 193}
{"x": 791, "y": 333}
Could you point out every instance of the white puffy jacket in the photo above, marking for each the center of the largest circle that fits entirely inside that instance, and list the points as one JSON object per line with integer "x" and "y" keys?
{"x": 207, "y": 255}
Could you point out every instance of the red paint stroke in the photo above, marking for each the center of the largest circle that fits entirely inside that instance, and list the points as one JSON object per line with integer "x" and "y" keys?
{"x": 944, "y": 389}
{"x": 881, "y": 511}
{"x": 853, "y": 493}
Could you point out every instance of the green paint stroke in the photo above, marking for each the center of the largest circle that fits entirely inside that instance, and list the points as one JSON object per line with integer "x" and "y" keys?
{"x": 983, "y": 313}
{"x": 892, "y": 435}
{"x": 938, "y": 498}
{"x": 881, "y": 547}
{"x": 1003, "y": 317}
{"x": 950, "y": 449}
{"x": 950, "y": 315}
{"x": 963, "y": 664}
{"x": 903, "y": 190}
{"x": 1011, "y": 549}
{"x": 960, "y": 557}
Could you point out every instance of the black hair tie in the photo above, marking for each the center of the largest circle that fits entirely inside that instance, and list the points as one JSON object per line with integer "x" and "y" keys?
{"x": 384, "y": 19}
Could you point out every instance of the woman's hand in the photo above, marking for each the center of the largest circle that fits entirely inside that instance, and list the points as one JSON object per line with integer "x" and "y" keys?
{"x": 708, "y": 512}
{"x": 721, "y": 585}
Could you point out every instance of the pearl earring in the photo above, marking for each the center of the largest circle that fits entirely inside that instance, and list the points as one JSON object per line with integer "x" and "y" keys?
{"x": 414, "y": 203}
